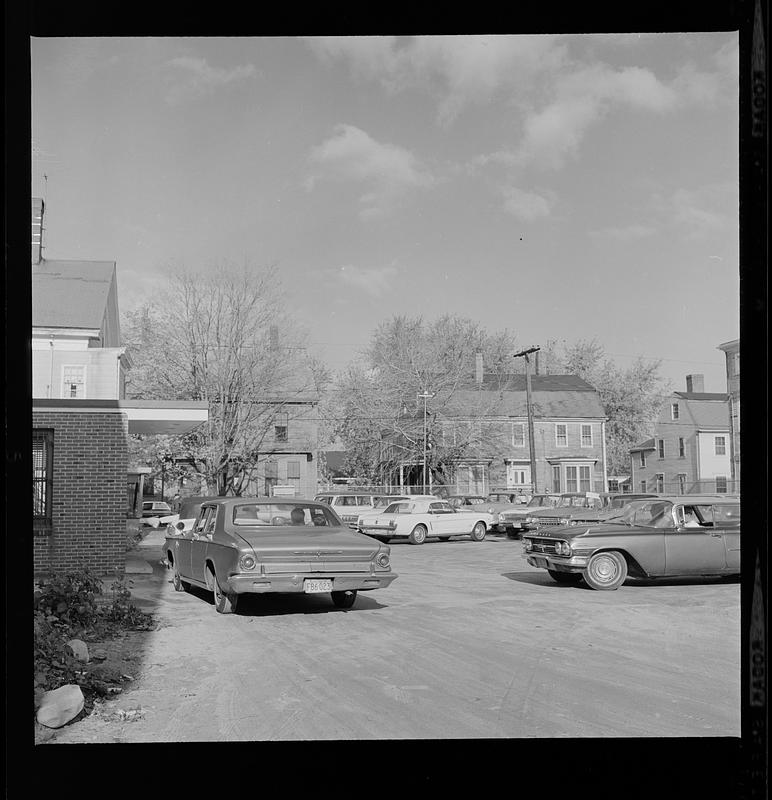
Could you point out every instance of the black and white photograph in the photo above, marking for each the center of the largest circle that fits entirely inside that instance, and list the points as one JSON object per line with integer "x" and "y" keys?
{"x": 464, "y": 307}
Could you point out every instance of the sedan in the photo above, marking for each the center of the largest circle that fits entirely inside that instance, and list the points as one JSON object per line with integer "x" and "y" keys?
{"x": 257, "y": 546}
{"x": 415, "y": 520}
{"x": 655, "y": 538}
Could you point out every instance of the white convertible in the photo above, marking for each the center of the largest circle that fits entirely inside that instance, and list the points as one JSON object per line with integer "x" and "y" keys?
{"x": 414, "y": 520}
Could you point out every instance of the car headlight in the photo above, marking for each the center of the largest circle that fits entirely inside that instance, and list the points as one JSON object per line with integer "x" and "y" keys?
{"x": 529, "y": 520}
{"x": 528, "y": 545}
{"x": 564, "y": 521}
{"x": 382, "y": 560}
{"x": 563, "y": 548}
{"x": 247, "y": 562}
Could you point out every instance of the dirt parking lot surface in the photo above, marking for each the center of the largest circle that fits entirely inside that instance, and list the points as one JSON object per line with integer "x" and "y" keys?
{"x": 469, "y": 642}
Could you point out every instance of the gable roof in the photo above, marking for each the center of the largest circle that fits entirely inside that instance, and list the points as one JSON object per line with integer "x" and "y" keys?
{"x": 708, "y": 410}
{"x": 552, "y": 396}
{"x": 71, "y": 294}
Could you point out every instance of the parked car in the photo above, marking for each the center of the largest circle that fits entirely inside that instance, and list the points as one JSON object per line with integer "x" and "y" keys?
{"x": 348, "y": 505}
{"x": 387, "y": 500}
{"x": 657, "y": 537}
{"x": 189, "y": 508}
{"x": 265, "y": 545}
{"x": 460, "y": 501}
{"x": 155, "y": 508}
{"x": 570, "y": 503}
{"x": 514, "y": 519}
{"x": 613, "y": 507}
{"x": 415, "y": 520}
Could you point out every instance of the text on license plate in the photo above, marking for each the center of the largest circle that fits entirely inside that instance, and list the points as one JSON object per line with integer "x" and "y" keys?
{"x": 539, "y": 561}
{"x": 317, "y": 585}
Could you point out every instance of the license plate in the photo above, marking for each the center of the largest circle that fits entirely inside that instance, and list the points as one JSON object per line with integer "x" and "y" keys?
{"x": 315, "y": 586}
{"x": 540, "y": 562}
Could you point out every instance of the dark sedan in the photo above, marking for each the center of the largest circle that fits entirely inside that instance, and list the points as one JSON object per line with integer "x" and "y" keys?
{"x": 254, "y": 545}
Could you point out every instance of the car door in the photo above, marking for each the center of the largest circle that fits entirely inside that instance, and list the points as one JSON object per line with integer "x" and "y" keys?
{"x": 694, "y": 551}
{"x": 182, "y": 544}
{"x": 444, "y": 519}
{"x": 726, "y": 520}
{"x": 202, "y": 535}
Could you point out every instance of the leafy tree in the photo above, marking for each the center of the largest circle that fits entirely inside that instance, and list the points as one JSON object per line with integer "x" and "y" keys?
{"x": 375, "y": 408}
{"x": 214, "y": 337}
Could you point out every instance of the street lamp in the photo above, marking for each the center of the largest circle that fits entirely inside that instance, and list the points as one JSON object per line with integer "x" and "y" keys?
{"x": 425, "y": 395}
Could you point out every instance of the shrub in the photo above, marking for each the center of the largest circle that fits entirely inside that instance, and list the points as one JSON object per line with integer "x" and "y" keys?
{"x": 71, "y": 598}
{"x": 55, "y": 664}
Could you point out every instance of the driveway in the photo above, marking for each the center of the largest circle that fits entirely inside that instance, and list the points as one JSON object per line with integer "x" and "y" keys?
{"x": 468, "y": 642}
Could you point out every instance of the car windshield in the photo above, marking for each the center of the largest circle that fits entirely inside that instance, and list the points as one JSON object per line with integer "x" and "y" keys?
{"x": 566, "y": 501}
{"x": 618, "y": 502}
{"x": 292, "y": 514}
{"x": 398, "y": 508}
{"x": 649, "y": 514}
{"x": 542, "y": 500}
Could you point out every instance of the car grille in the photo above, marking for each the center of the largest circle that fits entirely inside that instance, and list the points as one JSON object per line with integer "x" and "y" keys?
{"x": 509, "y": 517}
{"x": 539, "y": 521}
{"x": 543, "y": 547}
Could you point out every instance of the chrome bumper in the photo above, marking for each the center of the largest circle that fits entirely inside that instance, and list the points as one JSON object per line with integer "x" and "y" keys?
{"x": 562, "y": 564}
{"x": 341, "y": 582}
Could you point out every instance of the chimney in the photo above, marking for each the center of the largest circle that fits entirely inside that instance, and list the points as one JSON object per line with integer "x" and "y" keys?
{"x": 695, "y": 383}
{"x": 38, "y": 207}
{"x": 478, "y": 370}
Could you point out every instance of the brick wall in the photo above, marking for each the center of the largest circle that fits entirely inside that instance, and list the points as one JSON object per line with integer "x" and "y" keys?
{"x": 90, "y": 459}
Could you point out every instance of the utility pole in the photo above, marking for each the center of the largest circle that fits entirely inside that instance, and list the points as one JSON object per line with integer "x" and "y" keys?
{"x": 425, "y": 395}
{"x": 529, "y": 409}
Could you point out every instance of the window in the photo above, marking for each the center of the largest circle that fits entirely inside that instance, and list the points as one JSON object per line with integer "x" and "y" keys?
{"x": 571, "y": 485}
{"x": 659, "y": 483}
{"x": 280, "y": 427}
{"x": 73, "y": 381}
{"x": 661, "y": 448}
{"x": 720, "y": 445}
{"x": 518, "y": 434}
{"x": 271, "y": 476}
{"x": 681, "y": 447}
{"x": 584, "y": 479}
{"x": 556, "y": 479}
{"x": 561, "y": 435}
{"x": 293, "y": 475}
{"x": 721, "y": 484}
{"x": 586, "y": 435}
{"x": 674, "y": 411}
{"x": 681, "y": 483}
{"x": 613, "y": 485}
{"x": 42, "y": 477}
{"x": 643, "y": 459}
{"x": 643, "y": 485}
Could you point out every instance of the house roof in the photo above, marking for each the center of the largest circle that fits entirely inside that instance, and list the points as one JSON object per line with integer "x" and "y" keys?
{"x": 552, "y": 396}
{"x": 707, "y": 410}
{"x": 647, "y": 445}
{"x": 70, "y": 294}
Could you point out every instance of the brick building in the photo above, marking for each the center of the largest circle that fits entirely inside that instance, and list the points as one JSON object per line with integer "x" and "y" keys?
{"x": 83, "y": 486}
{"x": 690, "y": 450}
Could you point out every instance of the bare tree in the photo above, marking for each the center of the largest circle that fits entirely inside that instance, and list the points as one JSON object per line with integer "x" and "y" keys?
{"x": 376, "y": 407}
{"x": 214, "y": 337}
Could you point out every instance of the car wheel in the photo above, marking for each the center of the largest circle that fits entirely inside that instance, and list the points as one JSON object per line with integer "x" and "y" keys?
{"x": 417, "y": 535}
{"x": 179, "y": 584}
{"x": 344, "y": 599}
{"x": 606, "y": 570}
{"x": 224, "y": 603}
{"x": 571, "y": 578}
{"x": 478, "y": 532}
{"x": 444, "y": 538}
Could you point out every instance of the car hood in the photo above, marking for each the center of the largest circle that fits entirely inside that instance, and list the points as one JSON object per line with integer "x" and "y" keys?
{"x": 282, "y": 540}
{"x": 577, "y": 531}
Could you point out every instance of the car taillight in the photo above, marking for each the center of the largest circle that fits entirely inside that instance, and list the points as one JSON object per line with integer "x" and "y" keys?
{"x": 247, "y": 562}
{"x": 383, "y": 560}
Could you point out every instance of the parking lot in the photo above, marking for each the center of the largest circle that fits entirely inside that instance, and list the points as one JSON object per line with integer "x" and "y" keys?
{"x": 468, "y": 642}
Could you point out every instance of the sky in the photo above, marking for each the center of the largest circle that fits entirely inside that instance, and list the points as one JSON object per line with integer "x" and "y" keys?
{"x": 563, "y": 187}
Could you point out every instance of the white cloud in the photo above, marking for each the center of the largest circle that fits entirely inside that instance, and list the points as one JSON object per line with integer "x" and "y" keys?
{"x": 388, "y": 171}
{"x": 374, "y": 282}
{"x": 526, "y": 206}
{"x": 708, "y": 209}
{"x": 192, "y": 77}
{"x": 461, "y": 70}
{"x": 624, "y": 234}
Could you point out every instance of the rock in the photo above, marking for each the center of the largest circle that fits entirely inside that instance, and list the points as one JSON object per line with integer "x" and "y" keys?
{"x": 60, "y": 706}
{"x": 79, "y": 648}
